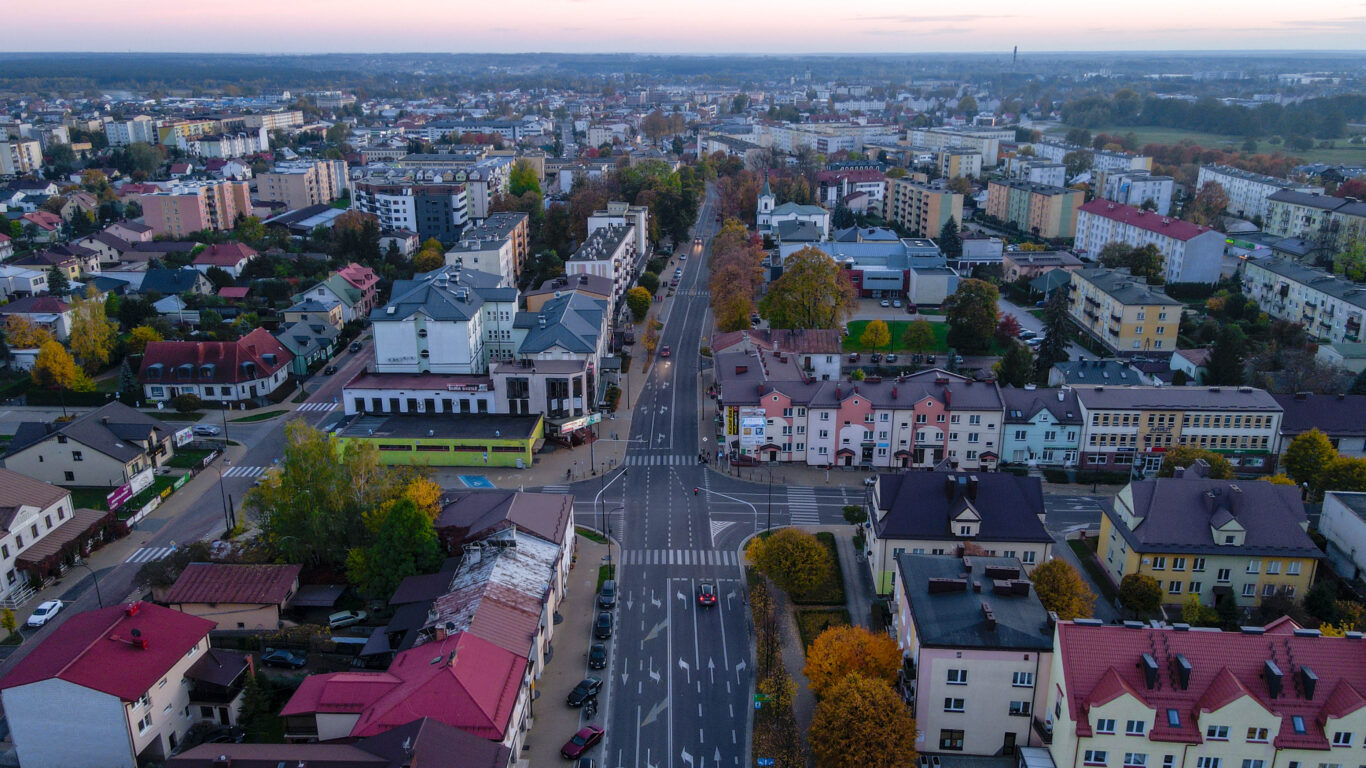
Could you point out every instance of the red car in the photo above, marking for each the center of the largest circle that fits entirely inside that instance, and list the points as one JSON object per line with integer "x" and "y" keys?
{"x": 706, "y": 594}
{"x": 581, "y": 742}
{"x": 664, "y": 351}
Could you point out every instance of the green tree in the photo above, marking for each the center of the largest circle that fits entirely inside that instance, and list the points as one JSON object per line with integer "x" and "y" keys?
{"x": 967, "y": 106}
{"x": 1344, "y": 473}
{"x": 1196, "y": 614}
{"x": 257, "y": 716}
{"x": 919, "y": 336}
{"x": 1140, "y": 593}
{"x": 862, "y": 722}
{"x": 403, "y": 543}
{"x": 812, "y": 293}
{"x": 1185, "y": 455}
{"x": 795, "y": 560}
{"x": 1053, "y": 348}
{"x": 1208, "y": 205}
{"x": 57, "y": 282}
{"x": 1016, "y": 367}
{"x": 1226, "y": 359}
{"x": 950, "y": 242}
{"x": 649, "y": 281}
{"x": 1062, "y": 590}
{"x": 638, "y": 299}
{"x": 875, "y": 335}
{"x": 971, "y": 315}
{"x": 1307, "y": 456}
{"x": 1350, "y": 262}
{"x": 143, "y": 158}
{"x": 1074, "y": 163}
{"x": 523, "y": 178}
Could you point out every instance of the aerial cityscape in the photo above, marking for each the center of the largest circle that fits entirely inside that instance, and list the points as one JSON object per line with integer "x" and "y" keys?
{"x": 943, "y": 389}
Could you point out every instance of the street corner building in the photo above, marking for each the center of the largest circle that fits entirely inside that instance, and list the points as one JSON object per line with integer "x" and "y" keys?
{"x": 450, "y": 439}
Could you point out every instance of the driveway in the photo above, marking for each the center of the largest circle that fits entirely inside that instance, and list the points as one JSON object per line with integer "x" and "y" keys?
{"x": 1029, "y": 322}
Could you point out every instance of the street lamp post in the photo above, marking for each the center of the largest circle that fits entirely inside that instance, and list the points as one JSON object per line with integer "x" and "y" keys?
{"x": 99, "y": 598}
{"x": 597, "y": 500}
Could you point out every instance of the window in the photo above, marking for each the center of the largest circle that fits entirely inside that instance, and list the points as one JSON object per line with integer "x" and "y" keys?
{"x": 1169, "y": 761}
{"x": 1027, "y": 557}
{"x": 144, "y": 724}
{"x": 1136, "y": 759}
{"x": 1019, "y": 708}
{"x": 974, "y": 419}
{"x": 951, "y": 740}
{"x": 954, "y": 419}
{"x": 1019, "y": 434}
{"x": 953, "y": 705}
{"x": 1293, "y": 568}
{"x": 1178, "y": 563}
{"x": 1135, "y": 727}
{"x": 920, "y": 418}
{"x": 1174, "y": 588}
{"x": 1159, "y": 563}
{"x": 1194, "y": 588}
{"x": 1254, "y": 565}
{"x": 1207, "y": 762}
{"x": 1217, "y": 732}
{"x": 1223, "y": 576}
{"x": 1022, "y": 679}
{"x": 70, "y": 476}
{"x": 1342, "y": 739}
{"x": 973, "y": 437}
{"x": 1249, "y": 590}
{"x": 1273, "y": 567}
{"x": 1095, "y": 757}
{"x": 1105, "y": 725}
{"x": 1198, "y": 565}
{"x": 1174, "y": 718}
{"x": 1297, "y": 723}
{"x": 957, "y": 677}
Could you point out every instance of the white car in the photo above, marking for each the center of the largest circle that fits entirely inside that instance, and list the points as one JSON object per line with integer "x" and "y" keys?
{"x": 345, "y": 619}
{"x": 44, "y": 613}
{"x": 206, "y": 430}
{"x": 885, "y": 303}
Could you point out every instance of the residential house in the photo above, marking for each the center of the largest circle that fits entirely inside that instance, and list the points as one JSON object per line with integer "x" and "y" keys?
{"x": 108, "y": 687}
{"x": 592, "y": 286}
{"x": 1341, "y": 417}
{"x": 1032, "y": 264}
{"x": 816, "y": 350}
{"x": 74, "y": 260}
{"x": 572, "y": 327}
{"x": 1123, "y": 312}
{"x": 235, "y": 596}
{"x": 47, "y": 312}
{"x": 1038, "y": 209}
{"x": 335, "y": 291}
{"x": 229, "y": 257}
{"x": 21, "y": 281}
{"x": 1219, "y": 540}
{"x": 247, "y": 370}
{"x": 475, "y": 515}
{"x": 954, "y": 513}
{"x": 432, "y": 210}
{"x": 174, "y": 282}
{"x": 1248, "y": 191}
{"x": 325, "y": 309}
{"x": 110, "y": 248}
{"x": 6, "y": 247}
{"x": 310, "y": 342}
{"x": 1131, "y": 428}
{"x": 1342, "y": 523}
{"x": 1193, "y": 362}
{"x": 1042, "y": 426}
{"x": 770, "y": 217}
{"x": 364, "y": 280}
{"x": 977, "y": 649}
{"x": 1329, "y": 307}
{"x": 107, "y": 447}
{"x": 1191, "y": 253}
{"x": 32, "y": 511}
{"x": 130, "y": 231}
{"x": 1147, "y": 696}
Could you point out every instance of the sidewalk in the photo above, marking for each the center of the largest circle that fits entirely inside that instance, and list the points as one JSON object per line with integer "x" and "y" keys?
{"x": 553, "y": 721}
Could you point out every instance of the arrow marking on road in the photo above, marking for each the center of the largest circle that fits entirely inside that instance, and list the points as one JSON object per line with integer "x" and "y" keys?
{"x": 683, "y": 665}
{"x": 654, "y": 673}
{"x": 654, "y": 600}
{"x": 739, "y": 667}
{"x": 654, "y": 713}
{"x": 682, "y": 597}
{"x": 711, "y": 667}
{"x": 655, "y": 631}
{"x": 687, "y": 758}
{"x": 717, "y": 757}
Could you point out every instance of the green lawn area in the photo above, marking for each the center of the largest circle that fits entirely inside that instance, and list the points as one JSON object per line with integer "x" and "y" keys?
{"x": 1342, "y": 152}
{"x": 831, "y": 589}
{"x": 811, "y": 622}
{"x": 605, "y": 573}
{"x": 898, "y": 329}
{"x": 90, "y": 498}
{"x": 1087, "y": 554}
{"x": 262, "y": 416}
{"x": 590, "y": 535}
{"x": 187, "y": 458}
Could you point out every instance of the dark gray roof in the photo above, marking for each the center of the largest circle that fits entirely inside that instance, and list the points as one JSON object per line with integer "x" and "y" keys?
{"x": 113, "y": 429}
{"x": 1177, "y": 398}
{"x": 1318, "y": 279}
{"x": 572, "y": 322}
{"x": 1022, "y": 405}
{"x": 921, "y": 505}
{"x": 1309, "y": 200}
{"x": 602, "y": 242}
{"x": 1115, "y": 372}
{"x": 169, "y": 282}
{"x": 1354, "y": 501}
{"x": 304, "y": 337}
{"x": 965, "y": 394}
{"x": 1174, "y": 514}
{"x": 956, "y": 619}
{"x": 1124, "y": 287}
{"x": 443, "y": 294}
{"x": 1335, "y": 415}
{"x": 798, "y": 231}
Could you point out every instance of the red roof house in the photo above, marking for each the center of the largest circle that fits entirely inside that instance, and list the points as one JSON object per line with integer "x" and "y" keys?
{"x": 229, "y": 257}
{"x": 248, "y": 369}
{"x": 237, "y": 596}
{"x": 366, "y": 281}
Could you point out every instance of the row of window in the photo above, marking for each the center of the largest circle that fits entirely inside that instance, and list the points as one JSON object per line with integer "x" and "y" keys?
{"x": 1017, "y": 679}
{"x": 1254, "y": 565}
{"x": 1016, "y": 708}
{"x": 1227, "y": 420}
{"x": 1027, "y": 557}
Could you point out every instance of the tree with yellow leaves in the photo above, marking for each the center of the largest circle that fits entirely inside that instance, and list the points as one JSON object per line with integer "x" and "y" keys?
{"x": 862, "y": 722}
{"x": 875, "y": 336}
{"x": 54, "y": 368}
{"x": 92, "y": 332}
{"x": 424, "y": 494}
{"x": 140, "y": 337}
{"x": 1062, "y": 590}
{"x": 22, "y": 334}
{"x": 795, "y": 560}
{"x": 839, "y": 651}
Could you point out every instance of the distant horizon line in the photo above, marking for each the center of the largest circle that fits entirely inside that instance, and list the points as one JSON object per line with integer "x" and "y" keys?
{"x": 1259, "y": 52}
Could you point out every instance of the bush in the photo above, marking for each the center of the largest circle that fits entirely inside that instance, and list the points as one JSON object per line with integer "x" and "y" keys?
{"x": 187, "y": 402}
{"x": 1055, "y": 475}
{"x": 649, "y": 281}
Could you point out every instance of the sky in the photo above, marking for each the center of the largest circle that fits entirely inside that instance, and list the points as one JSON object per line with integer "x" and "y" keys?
{"x": 669, "y": 26}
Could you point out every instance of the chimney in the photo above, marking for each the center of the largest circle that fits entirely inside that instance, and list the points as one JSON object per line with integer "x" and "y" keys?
{"x": 1273, "y": 676}
{"x": 938, "y": 585}
{"x": 132, "y": 609}
{"x": 1001, "y": 586}
{"x": 222, "y": 761}
{"x": 1183, "y": 670}
{"x": 967, "y": 564}
{"x": 1235, "y": 500}
{"x": 972, "y": 487}
{"x": 1208, "y": 499}
{"x": 950, "y": 486}
{"x": 1149, "y": 665}
{"x": 988, "y": 615}
{"x": 1308, "y": 681}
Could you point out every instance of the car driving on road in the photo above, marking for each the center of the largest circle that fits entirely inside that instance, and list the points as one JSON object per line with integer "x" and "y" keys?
{"x": 706, "y": 594}
{"x": 44, "y": 613}
{"x": 664, "y": 351}
{"x": 206, "y": 430}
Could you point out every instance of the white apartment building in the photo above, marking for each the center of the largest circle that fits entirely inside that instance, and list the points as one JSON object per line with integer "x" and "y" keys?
{"x": 439, "y": 210}
{"x": 484, "y": 251}
{"x": 1329, "y": 307}
{"x": 622, "y": 214}
{"x": 987, "y": 141}
{"x": 1037, "y": 171}
{"x": 447, "y": 321}
{"x": 226, "y": 145}
{"x": 609, "y": 252}
{"x": 1247, "y": 191}
{"x": 1101, "y": 160}
{"x": 1193, "y": 254}
{"x": 121, "y": 133}
{"x": 20, "y": 156}
{"x": 1134, "y": 188}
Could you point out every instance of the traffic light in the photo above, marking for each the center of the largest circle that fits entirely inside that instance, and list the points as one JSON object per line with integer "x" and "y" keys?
{"x": 694, "y": 491}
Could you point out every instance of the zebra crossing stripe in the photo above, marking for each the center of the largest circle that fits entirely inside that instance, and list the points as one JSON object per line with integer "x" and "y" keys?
{"x": 678, "y": 557}
{"x": 317, "y": 406}
{"x": 554, "y": 489}
{"x": 243, "y": 471}
{"x": 149, "y": 554}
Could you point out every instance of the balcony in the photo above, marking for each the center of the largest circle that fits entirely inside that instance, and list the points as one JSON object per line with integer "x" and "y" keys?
{"x": 1043, "y": 729}
{"x": 1116, "y": 317}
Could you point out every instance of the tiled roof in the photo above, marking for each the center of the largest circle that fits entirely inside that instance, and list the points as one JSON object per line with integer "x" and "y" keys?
{"x": 474, "y": 514}
{"x": 1022, "y": 405}
{"x": 17, "y": 490}
{"x": 214, "y": 362}
{"x": 1336, "y": 415}
{"x": 234, "y": 583}
{"x": 98, "y": 649}
{"x": 35, "y": 305}
{"x": 1100, "y": 662}
{"x": 115, "y": 429}
{"x": 1150, "y": 221}
{"x": 225, "y": 254}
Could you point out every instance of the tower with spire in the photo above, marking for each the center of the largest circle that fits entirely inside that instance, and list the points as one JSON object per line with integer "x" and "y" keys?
{"x": 763, "y": 218}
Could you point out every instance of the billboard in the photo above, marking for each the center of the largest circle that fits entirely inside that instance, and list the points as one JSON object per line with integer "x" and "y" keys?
{"x": 753, "y": 423}
{"x": 183, "y": 437}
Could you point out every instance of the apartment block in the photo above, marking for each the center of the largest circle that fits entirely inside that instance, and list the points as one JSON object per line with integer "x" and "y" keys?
{"x": 1247, "y": 191}
{"x": 1122, "y": 312}
{"x": 191, "y": 206}
{"x": 1192, "y": 253}
{"x": 429, "y": 209}
{"x": 1037, "y": 171}
{"x": 275, "y": 121}
{"x": 1329, "y": 307}
{"x": 1135, "y": 188}
{"x": 1039, "y": 209}
{"x": 959, "y": 162}
{"x": 608, "y": 252}
{"x": 987, "y": 141}
{"x": 921, "y": 209}
{"x": 1101, "y": 160}
{"x": 20, "y": 156}
{"x": 1329, "y": 223}
{"x": 304, "y": 183}
{"x": 1131, "y": 428}
{"x": 121, "y": 133}
{"x": 621, "y": 214}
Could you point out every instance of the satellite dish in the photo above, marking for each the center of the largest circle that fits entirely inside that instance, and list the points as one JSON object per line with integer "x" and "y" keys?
{"x": 137, "y": 633}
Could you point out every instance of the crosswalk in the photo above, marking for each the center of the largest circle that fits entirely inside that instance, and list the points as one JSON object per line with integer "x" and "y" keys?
{"x": 645, "y": 460}
{"x": 801, "y": 502}
{"x": 149, "y": 554}
{"x": 244, "y": 471}
{"x": 678, "y": 557}
{"x": 314, "y": 407}
{"x": 554, "y": 489}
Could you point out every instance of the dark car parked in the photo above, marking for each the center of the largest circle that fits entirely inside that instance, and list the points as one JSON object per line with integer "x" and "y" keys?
{"x": 597, "y": 656}
{"x": 585, "y": 690}
{"x": 602, "y": 628}
{"x": 282, "y": 657}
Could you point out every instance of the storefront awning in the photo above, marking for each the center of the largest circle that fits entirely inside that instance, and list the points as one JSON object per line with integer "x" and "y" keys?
{"x": 65, "y": 538}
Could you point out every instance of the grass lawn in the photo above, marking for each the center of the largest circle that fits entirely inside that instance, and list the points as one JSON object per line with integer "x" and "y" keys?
{"x": 605, "y": 572}
{"x": 1087, "y": 554}
{"x": 831, "y": 589}
{"x": 262, "y": 416}
{"x": 1342, "y": 152}
{"x": 813, "y": 621}
{"x": 187, "y": 458}
{"x": 590, "y": 535}
{"x": 159, "y": 484}
{"x": 90, "y": 498}
{"x": 171, "y": 415}
{"x": 898, "y": 329}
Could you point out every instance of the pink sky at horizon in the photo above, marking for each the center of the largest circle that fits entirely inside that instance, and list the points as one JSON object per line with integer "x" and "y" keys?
{"x": 702, "y": 26}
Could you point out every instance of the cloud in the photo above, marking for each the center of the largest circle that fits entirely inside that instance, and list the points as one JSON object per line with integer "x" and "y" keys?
{"x": 932, "y": 19}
